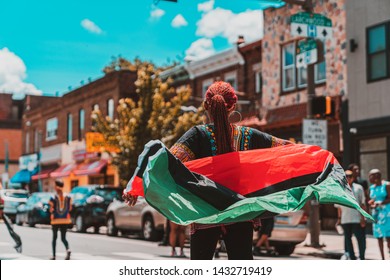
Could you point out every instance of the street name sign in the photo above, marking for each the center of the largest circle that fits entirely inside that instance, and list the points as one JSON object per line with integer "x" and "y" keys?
{"x": 315, "y": 132}
{"x": 306, "y": 52}
{"x": 311, "y": 25}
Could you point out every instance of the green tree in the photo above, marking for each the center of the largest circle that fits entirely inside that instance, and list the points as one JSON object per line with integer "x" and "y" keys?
{"x": 156, "y": 114}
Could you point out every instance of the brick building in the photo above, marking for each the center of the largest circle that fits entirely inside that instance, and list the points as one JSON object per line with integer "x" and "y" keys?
{"x": 57, "y": 129}
{"x": 240, "y": 66}
{"x": 10, "y": 135}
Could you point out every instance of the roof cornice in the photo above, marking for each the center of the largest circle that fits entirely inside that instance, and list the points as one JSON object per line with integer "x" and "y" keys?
{"x": 214, "y": 63}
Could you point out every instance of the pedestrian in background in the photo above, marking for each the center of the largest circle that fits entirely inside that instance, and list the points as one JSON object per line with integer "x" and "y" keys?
{"x": 177, "y": 235}
{"x": 380, "y": 205}
{"x": 60, "y": 207}
{"x": 267, "y": 225}
{"x": 359, "y": 180}
{"x": 352, "y": 221}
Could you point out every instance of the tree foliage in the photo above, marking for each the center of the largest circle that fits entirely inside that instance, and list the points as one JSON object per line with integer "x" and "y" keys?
{"x": 156, "y": 114}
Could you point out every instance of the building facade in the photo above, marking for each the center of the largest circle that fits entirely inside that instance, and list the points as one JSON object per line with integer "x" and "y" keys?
{"x": 57, "y": 131}
{"x": 368, "y": 133}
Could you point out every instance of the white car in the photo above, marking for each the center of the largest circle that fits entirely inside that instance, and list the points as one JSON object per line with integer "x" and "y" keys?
{"x": 140, "y": 218}
{"x": 12, "y": 198}
{"x": 290, "y": 229}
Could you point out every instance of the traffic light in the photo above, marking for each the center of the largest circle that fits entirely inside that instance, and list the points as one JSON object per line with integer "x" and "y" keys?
{"x": 323, "y": 106}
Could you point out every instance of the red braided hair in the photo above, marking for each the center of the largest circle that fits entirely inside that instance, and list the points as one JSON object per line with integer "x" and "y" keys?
{"x": 219, "y": 100}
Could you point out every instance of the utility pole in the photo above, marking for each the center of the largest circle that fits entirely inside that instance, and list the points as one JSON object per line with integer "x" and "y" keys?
{"x": 314, "y": 216}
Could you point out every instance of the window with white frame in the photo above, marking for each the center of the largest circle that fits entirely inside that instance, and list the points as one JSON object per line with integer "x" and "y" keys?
{"x": 300, "y": 74}
{"x": 205, "y": 86}
{"x": 110, "y": 108}
{"x": 51, "y": 129}
{"x": 81, "y": 123}
{"x": 231, "y": 78}
{"x": 70, "y": 128}
{"x": 288, "y": 67}
{"x": 258, "y": 82}
{"x": 27, "y": 142}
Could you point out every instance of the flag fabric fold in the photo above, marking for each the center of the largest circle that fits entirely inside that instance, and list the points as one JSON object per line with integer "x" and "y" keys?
{"x": 239, "y": 186}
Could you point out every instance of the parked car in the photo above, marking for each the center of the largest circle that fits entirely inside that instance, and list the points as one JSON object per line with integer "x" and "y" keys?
{"x": 140, "y": 218}
{"x": 12, "y": 198}
{"x": 90, "y": 204}
{"x": 290, "y": 229}
{"x": 35, "y": 211}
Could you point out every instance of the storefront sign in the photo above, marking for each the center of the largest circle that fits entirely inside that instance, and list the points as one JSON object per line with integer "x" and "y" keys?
{"x": 315, "y": 132}
{"x": 95, "y": 142}
{"x": 28, "y": 162}
{"x": 81, "y": 155}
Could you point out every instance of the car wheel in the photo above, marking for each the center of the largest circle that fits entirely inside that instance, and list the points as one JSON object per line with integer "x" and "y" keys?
{"x": 31, "y": 223}
{"x": 111, "y": 228}
{"x": 148, "y": 231}
{"x": 18, "y": 220}
{"x": 285, "y": 249}
{"x": 80, "y": 224}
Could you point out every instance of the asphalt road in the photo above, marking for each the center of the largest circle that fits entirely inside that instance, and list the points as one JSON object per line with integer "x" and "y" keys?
{"x": 89, "y": 246}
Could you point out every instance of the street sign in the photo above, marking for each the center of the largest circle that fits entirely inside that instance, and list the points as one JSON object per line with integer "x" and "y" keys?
{"x": 311, "y": 25}
{"x": 315, "y": 132}
{"x": 306, "y": 52}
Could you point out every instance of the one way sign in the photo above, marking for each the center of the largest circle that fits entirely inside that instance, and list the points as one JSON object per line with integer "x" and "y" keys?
{"x": 311, "y": 25}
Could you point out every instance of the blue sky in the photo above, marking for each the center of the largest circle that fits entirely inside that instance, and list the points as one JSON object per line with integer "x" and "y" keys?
{"x": 47, "y": 46}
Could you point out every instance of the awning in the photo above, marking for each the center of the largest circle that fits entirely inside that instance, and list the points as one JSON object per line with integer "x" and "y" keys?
{"x": 90, "y": 168}
{"x": 43, "y": 174}
{"x": 63, "y": 171}
{"x": 23, "y": 176}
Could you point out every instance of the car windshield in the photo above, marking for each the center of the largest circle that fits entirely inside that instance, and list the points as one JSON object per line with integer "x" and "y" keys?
{"x": 17, "y": 194}
{"x": 109, "y": 194}
{"x": 79, "y": 193}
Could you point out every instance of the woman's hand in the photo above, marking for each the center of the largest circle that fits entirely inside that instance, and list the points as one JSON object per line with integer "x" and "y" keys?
{"x": 131, "y": 200}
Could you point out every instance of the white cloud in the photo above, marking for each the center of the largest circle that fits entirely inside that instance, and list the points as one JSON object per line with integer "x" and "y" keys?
{"x": 12, "y": 74}
{"x": 199, "y": 49}
{"x": 224, "y": 23}
{"x": 91, "y": 26}
{"x": 179, "y": 21}
{"x": 156, "y": 13}
{"x": 206, "y": 6}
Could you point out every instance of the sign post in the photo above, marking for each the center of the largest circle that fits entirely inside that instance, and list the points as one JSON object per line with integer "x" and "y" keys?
{"x": 311, "y": 25}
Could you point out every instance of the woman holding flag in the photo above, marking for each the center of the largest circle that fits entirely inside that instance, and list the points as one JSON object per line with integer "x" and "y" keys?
{"x": 221, "y": 177}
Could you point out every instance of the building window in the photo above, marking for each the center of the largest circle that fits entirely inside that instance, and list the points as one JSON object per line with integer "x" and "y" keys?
{"x": 27, "y": 142}
{"x": 51, "y": 129}
{"x": 70, "y": 128}
{"x": 110, "y": 108}
{"x": 374, "y": 153}
{"x": 81, "y": 123}
{"x": 231, "y": 78}
{"x": 36, "y": 140}
{"x": 288, "y": 67}
{"x": 296, "y": 78}
{"x": 258, "y": 82}
{"x": 378, "y": 52}
{"x": 205, "y": 86}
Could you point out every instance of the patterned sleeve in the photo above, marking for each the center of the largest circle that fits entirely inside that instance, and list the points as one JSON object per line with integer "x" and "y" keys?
{"x": 264, "y": 140}
{"x": 187, "y": 147}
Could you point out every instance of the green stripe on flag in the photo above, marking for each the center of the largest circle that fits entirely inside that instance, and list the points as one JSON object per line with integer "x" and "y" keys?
{"x": 183, "y": 207}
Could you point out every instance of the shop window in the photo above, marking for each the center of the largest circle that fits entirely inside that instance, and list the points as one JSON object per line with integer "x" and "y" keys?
{"x": 378, "y": 52}
{"x": 74, "y": 183}
{"x": 374, "y": 154}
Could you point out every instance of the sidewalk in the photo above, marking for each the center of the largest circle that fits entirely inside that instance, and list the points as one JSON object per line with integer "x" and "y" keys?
{"x": 334, "y": 247}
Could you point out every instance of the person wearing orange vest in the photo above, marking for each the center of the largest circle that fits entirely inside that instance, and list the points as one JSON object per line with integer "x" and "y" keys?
{"x": 60, "y": 207}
